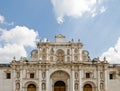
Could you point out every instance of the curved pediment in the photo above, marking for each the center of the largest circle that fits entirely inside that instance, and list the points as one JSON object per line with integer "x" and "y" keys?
{"x": 60, "y": 38}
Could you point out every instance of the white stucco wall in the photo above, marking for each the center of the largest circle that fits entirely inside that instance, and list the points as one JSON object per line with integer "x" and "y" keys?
{"x": 5, "y": 84}
{"x": 114, "y": 85}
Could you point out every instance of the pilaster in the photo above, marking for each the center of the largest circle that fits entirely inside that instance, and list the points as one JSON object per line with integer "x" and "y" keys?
{"x": 47, "y": 80}
{"x": 72, "y": 79}
{"x": 21, "y": 76}
{"x": 40, "y": 77}
{"x": 80, "y": 80}
{"x": 13, "y": 79}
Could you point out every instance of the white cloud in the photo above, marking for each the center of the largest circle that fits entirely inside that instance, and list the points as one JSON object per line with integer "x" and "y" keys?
{"x": 60, "y": 20}
{"x": 20, "y": 36}
{"x": 9, "y": 51}
{"x": 14, "y": 41}
{"x": 2, "y": 19}
{"x": 102, "y": 9}
{"x": 75, "y": 8}
{"x": 113, "y": 53}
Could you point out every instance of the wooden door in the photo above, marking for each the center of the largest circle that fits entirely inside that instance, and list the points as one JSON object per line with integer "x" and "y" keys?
{"x": 59, "y": 86}
{"x": 31, "y": 87}
{"x": 87, "y": 87}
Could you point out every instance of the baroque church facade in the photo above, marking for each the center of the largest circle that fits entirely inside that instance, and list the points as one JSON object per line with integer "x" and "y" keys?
{"x": 59, "y": 66}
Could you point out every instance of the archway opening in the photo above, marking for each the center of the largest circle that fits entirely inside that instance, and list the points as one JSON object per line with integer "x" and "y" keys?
{"x": 87, "y": 87}
{"x": 31, "y": 87}
{"x": 59, "y": 86}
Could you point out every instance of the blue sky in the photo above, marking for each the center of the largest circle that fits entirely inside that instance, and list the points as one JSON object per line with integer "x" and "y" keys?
{"x": 95, "y": 22}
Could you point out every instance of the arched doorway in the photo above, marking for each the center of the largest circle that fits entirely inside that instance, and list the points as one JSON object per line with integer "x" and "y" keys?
{"x": 87, "y": 87}
{"x": 59, "y": 86}
{"x": 31, "y": 87}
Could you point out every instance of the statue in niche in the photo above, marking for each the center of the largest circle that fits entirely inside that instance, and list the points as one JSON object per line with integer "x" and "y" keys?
{"x": 68, "y": 52}
{"x": 18, "y": 74}
{"x": 43, "y": 86}
{"x": 76, "y": 75}
{"x": 17, "y": 86}
{"x": 43, "y": 75}
{"x": 76, "y": 86}
{"x": 52, "y": 51}
{"x": 101, "y": 86}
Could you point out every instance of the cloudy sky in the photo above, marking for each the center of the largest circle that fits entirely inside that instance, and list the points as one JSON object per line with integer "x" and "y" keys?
{"x": 95, "y": 22}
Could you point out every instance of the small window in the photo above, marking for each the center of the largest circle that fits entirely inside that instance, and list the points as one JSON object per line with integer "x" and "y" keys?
{"x": 31, "y": 75}
{"x": 8, "y": 75}
{"x": 87, "y": 75}
{"x": 111, "y": 76}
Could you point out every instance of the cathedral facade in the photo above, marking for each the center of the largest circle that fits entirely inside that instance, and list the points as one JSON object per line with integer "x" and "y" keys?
{"x": 59, "y": 66}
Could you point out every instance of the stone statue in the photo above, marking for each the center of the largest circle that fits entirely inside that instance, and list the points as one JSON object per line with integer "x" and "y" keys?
{"x": 76, "y": 75}
{"x": 43, "y": 86}
{"x": 17, "y": 86}
{"x": 101, "y": 86}
{"x": 76, "y": 86}
{"x": 43, "y": 75}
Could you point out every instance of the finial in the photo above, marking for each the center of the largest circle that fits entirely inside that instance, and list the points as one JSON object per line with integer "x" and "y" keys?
{"x": 72, "y": 40}
{"x": 98, "y": 58}
{"x": 104, "y": 58}
{"x": 78, "y": 40}
{"x": 21, "y": 57}
{"x": 14, "y": 58}
{"x": 40, "y": 40}
{"x": 47, "y": 40}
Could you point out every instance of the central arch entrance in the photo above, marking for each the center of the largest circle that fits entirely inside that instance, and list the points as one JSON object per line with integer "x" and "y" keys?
{"x": 31, "y": 87}
{"x": 59, "y": 86}
{"x": 87, "y": 87}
